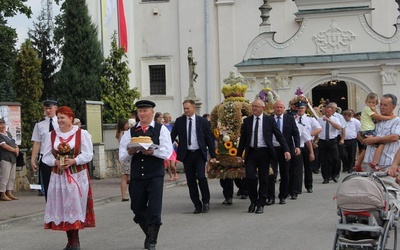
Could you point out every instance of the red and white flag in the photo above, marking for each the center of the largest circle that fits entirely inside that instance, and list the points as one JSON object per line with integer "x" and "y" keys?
{"x": 123, "y": 34}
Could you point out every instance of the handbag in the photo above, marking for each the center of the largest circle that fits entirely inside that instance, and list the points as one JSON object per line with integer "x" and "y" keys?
{"x": 20, "y": 160}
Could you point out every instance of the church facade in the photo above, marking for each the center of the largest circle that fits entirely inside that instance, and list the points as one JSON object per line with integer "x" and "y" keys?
{"x": 333, "y": 49}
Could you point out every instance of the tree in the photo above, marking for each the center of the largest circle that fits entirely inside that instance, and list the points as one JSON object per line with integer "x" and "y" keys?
{"x": 47, "y": 52}
{"x": 8, "y": 38}
{"x": 28, "y": 85}
{"x": 118, "y": 99}
{"x": 79, "y": 77}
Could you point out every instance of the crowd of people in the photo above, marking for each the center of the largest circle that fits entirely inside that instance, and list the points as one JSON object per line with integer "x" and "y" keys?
{"x": 288, "y": 147}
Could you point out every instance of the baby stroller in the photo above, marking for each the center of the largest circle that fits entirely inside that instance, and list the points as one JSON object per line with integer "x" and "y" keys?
{"x": 368, "y": 206}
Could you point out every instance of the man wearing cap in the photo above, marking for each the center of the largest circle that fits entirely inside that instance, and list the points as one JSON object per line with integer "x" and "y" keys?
{"x": 194, "y": 139}
{"x": 147, "y": 170}
{"x": 38, "y": 136}
{"x": 314, "y": 128}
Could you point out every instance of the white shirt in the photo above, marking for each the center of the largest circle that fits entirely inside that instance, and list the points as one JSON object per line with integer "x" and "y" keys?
{"x": 304, "y": 134}
{"x": 333, "y": 133}
{"x": 260, "y": 142}
{"x": 41, "y": 129}
{"x": 310, "y": 122}
{"x": 86, "y": 154}
{"x": 194, "y": 143}
{"x": 164, "y": 150}
{"x": 352, "y": 127}
{"x": 384, "y": 128}
{"x": 342, "y": 122}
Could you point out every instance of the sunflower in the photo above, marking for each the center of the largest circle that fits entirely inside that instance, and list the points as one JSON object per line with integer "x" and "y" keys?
{"x": 217, "y": 151}
{"x": 232, "y": 151}
{"x": 216, "y": 133}
{"x": 228, "y": 144}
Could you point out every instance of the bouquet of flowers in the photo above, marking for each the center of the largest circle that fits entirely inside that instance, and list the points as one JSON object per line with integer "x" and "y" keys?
{"x": 63, "y": 149}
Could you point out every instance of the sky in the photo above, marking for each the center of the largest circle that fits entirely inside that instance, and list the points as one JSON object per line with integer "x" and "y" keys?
{"x": 22, "y": 24}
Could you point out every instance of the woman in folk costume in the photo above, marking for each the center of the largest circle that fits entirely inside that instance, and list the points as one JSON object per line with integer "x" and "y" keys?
{"x": 69, "y": 205}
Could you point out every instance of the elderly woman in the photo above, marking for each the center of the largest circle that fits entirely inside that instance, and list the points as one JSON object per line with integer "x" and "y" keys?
{"x": 8, "y": 158}
{"x": 69, "y": 206}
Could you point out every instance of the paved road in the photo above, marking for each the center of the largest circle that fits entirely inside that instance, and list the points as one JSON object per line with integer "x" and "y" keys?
{"x": 307, "y": 223}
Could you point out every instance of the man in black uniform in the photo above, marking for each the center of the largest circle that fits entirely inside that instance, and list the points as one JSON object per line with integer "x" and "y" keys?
{"x": 147, "y": 170}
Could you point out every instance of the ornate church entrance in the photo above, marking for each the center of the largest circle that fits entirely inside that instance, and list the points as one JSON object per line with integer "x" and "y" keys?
{"x": 335, "y": 91}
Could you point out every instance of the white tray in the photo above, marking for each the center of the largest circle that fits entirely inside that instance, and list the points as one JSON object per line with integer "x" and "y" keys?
{"x": 143, "y": 145}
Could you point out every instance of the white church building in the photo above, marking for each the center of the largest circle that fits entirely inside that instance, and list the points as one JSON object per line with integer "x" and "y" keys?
{"x": 333, "y": 49}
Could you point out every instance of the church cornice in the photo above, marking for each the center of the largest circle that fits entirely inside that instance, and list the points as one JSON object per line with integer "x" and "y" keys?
{"x": 292, "y": 60}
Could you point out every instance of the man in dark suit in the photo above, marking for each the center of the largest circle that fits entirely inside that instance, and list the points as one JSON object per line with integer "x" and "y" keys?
{"x": 194, "y": 138}
{"x": 256, "y": 140}
{"x": 287, "y": 125}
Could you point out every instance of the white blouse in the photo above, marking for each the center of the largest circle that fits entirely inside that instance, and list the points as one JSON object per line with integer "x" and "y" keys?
{"x": 86, "y": 154}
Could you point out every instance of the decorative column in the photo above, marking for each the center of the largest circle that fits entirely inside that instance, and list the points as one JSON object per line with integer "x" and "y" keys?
{"x": 265, "y": 25}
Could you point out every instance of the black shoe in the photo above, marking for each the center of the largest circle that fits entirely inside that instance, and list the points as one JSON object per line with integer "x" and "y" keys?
{"x": 252, "y": 208}
{"x": 197, "y": 210}
{"x": 335, "y": 179}
{"x": 40, "y": 193}
{"x": 326, "y": 181}
{"x": 282, "y": 201}
{"x": 270, "y": 202}
{"x": 350, "y": 171}
{"x": 243, "y": 196}
{"x": 227, "y": 201}
{"x": 309, "y": 190}
{"x": 259, "y": 210}
{"x": 316, "y": 172}
{"x": 293, "y": 197}
{"x": 206, "y": 207}
{"x": 239, "y": 193}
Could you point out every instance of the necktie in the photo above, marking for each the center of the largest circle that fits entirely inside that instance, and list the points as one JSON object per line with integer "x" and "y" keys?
{"x": 51, "y": 128}
{"x": 300, "y": 120}
{"x": 327, "y": 131}
{"x": 190, "y": 132}
{"x": 144, "y": 128}
{"x": 278, "y": 122}
{"x": 256, "y": 133}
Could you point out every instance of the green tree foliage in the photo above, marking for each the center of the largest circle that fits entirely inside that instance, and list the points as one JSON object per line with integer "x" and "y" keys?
{"x": 118, "y": 99}
{"x": 10, "y": 8}
{"x": 28, "y": 85}
{"x": 42, "y": 42}
{"x": 79, "y": 77}
{"x": 8, "y": 39}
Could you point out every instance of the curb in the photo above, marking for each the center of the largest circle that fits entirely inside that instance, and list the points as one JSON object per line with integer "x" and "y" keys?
{"x": 97, "y": 202}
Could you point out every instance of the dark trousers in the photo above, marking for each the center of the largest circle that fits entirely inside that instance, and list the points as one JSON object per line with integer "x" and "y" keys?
{"x": 315, "y": 164}
{"x": 227, "y": 187}
{"x": 146, "y": 200}
{"x": 257, "y": 171}
{"x": 44, "y": 175}
{"x": 195, "y": 167}
{"x": 283, "y": 173}
{"x": 349, "y": 154}
{"x": 308, "y": 172}
{"x": 328, "y": 156}
{"x": 296, "y": 175}
{"x": 341, "y": 154}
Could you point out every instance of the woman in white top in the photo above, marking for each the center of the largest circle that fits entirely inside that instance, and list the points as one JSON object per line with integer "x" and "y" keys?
{"x": 69, "y": 206}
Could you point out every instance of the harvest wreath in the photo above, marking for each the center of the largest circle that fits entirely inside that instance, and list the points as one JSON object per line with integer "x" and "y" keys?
{"x": 226, "y": 121}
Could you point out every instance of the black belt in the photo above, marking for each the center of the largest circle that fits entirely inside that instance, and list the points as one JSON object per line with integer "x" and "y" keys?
{"x": 350, "y": 139}
{"x": 258, "y": 149}
{"x": 193, "y": 150}
{"x": 328, "y": 140}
